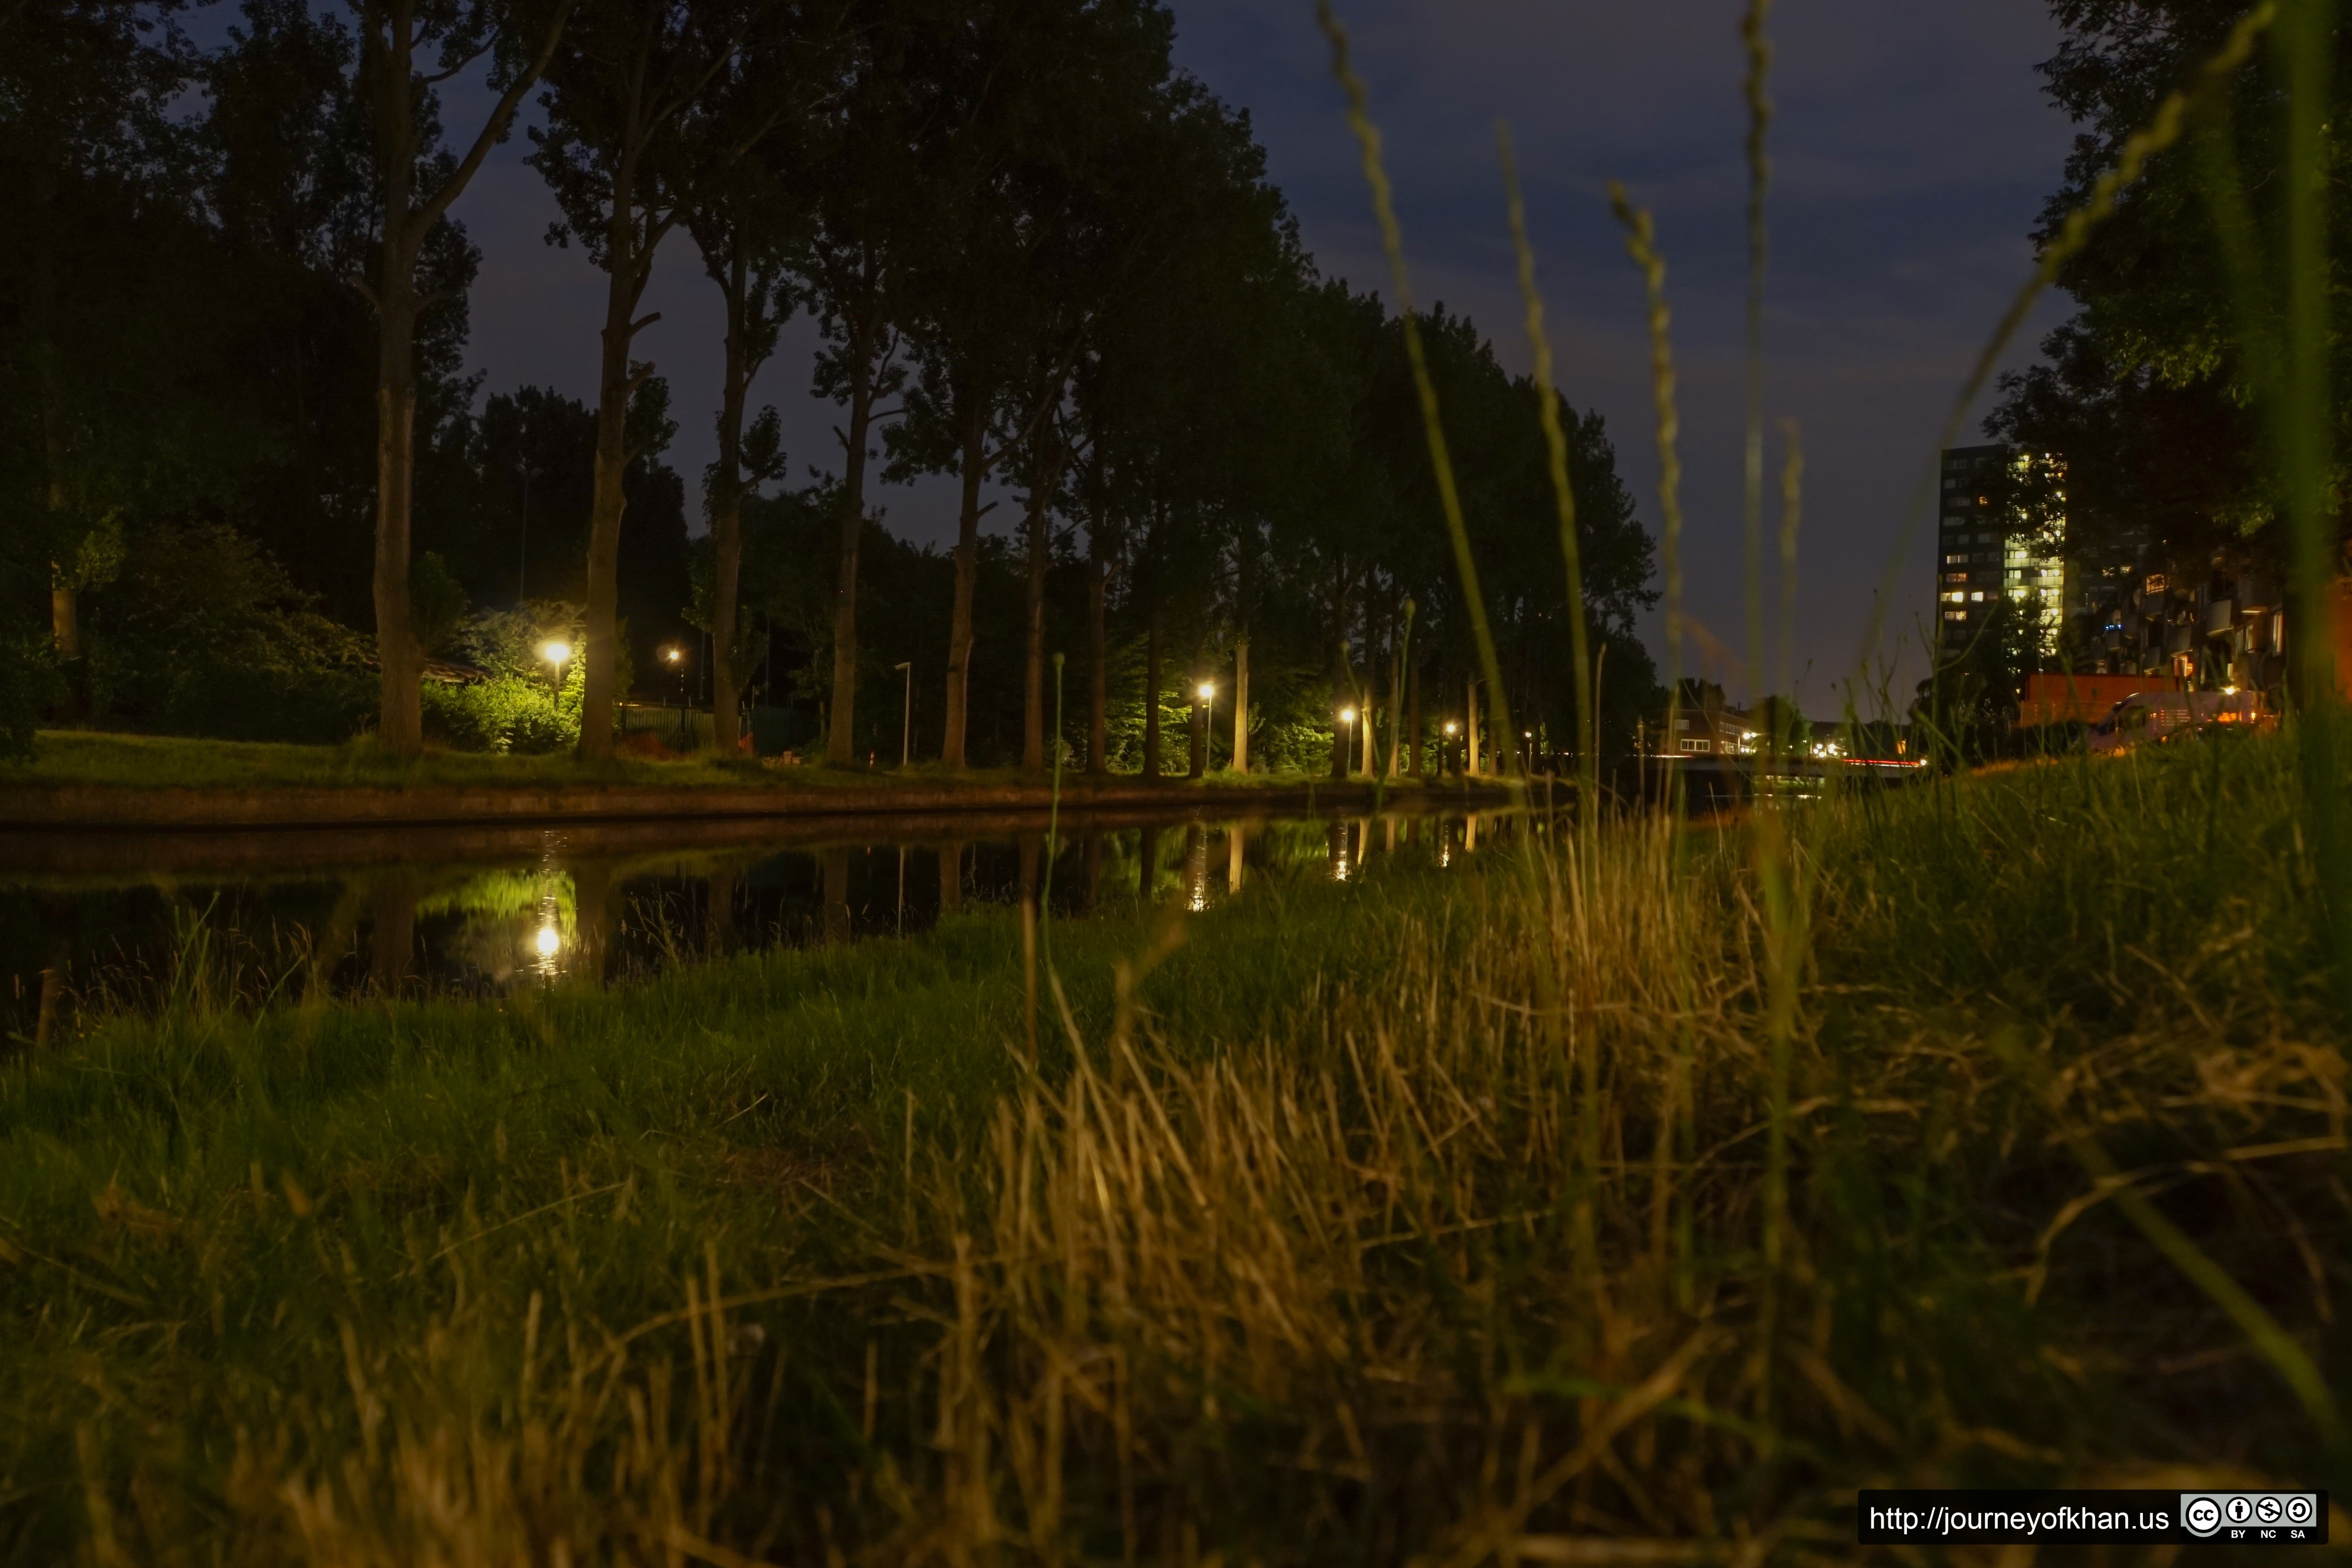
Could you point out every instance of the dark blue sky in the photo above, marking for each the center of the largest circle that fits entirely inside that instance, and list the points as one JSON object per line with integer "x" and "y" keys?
{"x": 1914, "y": 150}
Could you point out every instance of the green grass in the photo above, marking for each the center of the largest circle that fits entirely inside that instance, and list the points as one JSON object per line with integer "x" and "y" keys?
{"x": 154, "y": 761}
{"x": 1336, "y": 1242}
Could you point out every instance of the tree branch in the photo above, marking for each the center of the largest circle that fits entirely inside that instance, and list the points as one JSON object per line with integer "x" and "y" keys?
{"x": 494, "y": 129}
{"x": 437, "y": 78}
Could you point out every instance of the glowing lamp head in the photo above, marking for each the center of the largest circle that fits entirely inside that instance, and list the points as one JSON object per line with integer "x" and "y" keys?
{"x": 555, "y": 652}
{"x": 1451, "y": 727}
{"x": 672, "y": 655}
{"x": 1207, "y": 691}
{"x": 1346, "y": 715}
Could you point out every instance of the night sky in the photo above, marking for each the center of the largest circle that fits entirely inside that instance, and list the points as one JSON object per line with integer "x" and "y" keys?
{"x": 1914, "y": 150}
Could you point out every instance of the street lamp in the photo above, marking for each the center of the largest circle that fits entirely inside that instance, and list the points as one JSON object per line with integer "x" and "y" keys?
{"x": 675, "y": 657}
{"x": 1209, "y": 735}
{"x": 1347, "y": 723}
{"x": 558, "y": 654}
{"x": 907, "y": 734}
{"x": 1451, "y": 729}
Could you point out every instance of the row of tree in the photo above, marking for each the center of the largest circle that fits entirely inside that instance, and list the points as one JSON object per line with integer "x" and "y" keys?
{"x": 1039, "y": 259}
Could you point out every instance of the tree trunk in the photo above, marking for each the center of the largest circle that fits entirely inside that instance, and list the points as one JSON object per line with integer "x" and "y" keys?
{"x": 1033, "y": 672}
{"x": 727, "y": 519}
{"x": 400, "y": 720}
{"x": 65, "y": 621}
{"x": 1470, "y": 728}
{"x": 841, "y": 738}
{"x": 600, "y": 668}
{"x": 64, "y": 588}
{"x": 1196, "y": 728}
{"x": 1396, "y": 712}
{"x": 1151, "y": 697}
{"x": 1241, "y": 704}
{"x": 1098, "y": 657}
{"x": 1342, "y": 682}
{"x": 967, "y": 577}
{"x": 1415, "y": 766}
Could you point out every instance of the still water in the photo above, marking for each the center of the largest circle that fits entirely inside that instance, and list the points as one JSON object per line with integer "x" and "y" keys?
{"x": 128, "y": 915}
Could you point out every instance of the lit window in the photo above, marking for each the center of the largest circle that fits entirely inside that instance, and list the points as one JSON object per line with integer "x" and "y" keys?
{"x": 1977, "y": 597}
{"x": 1695, "y": 745}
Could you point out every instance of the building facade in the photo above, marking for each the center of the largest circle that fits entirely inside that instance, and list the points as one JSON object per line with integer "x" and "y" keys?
{"x": 1987, "y": 553}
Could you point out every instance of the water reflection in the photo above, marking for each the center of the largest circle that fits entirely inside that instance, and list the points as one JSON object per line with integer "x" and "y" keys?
{"x": 562, "y": 908}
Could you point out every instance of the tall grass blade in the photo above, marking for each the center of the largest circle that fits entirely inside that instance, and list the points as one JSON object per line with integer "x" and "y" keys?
{"x": 1449, "y": 496}
{"x": 2304, "y": 44}
{"x": 1642, "y": 244}
{"x": 1759, "y": 183}
{"x": 1792, "y": 484}
{"x": 1588, "y": 771}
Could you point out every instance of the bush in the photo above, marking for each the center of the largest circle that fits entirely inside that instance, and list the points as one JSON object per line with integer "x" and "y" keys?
{"x": 507, "y": 713}
{"x": 205, "y": 635}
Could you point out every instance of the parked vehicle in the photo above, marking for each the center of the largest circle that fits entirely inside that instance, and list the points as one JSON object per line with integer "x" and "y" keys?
{"x": 2153, "y": 718}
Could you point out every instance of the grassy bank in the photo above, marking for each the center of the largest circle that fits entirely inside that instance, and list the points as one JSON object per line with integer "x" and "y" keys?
{"x": 1429, "y": 1213}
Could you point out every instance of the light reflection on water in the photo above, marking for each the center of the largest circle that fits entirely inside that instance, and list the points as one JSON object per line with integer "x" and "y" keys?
{"x": 556, "y": 912}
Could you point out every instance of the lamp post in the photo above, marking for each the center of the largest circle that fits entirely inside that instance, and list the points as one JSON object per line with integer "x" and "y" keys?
{"x": 558, "y": 654}
{"x": 906, "y": 734}
{"x": 1451, "y": 729}
{"x": 675, "y": 657}
{"x": 1347, "y": 723}
{"x": 1209, "y": 735}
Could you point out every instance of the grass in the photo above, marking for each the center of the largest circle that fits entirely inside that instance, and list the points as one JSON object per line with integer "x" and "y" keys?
{"x": 155, "y": 762}
{"x": 1315, "y": 1233}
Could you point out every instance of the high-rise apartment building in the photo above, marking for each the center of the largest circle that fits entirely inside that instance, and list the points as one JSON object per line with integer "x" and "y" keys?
{"x": 1986, "y": 555}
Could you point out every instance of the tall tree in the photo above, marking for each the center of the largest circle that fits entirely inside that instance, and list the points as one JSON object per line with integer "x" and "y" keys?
{"x": 856, "y": 255}
{"x": 626, "y": 76}
{"x": 748, "y": 217}
{"x": 964, "y": 293}
{"x": 417, "y": 187}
